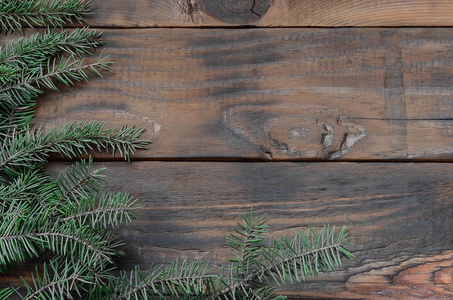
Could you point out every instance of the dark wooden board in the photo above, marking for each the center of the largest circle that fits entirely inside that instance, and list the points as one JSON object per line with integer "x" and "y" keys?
{"x": 400, "y": 216}
{"x": 282, "y": 94}
{"x": 265, "y": 13}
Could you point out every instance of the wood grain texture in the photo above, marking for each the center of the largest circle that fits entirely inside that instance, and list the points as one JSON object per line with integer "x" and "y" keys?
{"x": 269, "y": 13}
{"x": 281, "y": 94}
{"x": 399, "y": 214}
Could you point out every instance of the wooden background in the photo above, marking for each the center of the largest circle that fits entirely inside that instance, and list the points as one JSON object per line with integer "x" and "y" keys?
{"x": 312, "y": 111}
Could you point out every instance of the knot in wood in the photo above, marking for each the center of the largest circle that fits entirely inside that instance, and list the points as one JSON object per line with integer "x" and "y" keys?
{"x": 238, "y": 6}
{"x": 239, "y": 12}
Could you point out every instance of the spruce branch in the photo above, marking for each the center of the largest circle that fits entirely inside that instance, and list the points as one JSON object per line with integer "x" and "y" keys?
{"x": 76, "y": 182}
{"x": 62, "y": 281}
{"x": 180, "y": 280}
{"x": 15, "y": 245}
{"x": 25, "y": 150}
{"x": 15, "y": 118}
{"x": 256, "y": 269}
{"x": 55, "y": 13}
{"x": 37, "y": 49}
{"x": 110, "y": 210}
{"x": 67, "y": 71}
{"x": 30, "y": 62}
{"x": 287, "y": 262}
{"x": 8, "y": 74}
{"x": 248, "y": 241}
{"x": 23, "y": 188}
{"x": 22, "y": 242}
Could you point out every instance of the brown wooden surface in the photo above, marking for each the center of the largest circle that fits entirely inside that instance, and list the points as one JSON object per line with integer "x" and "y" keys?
{"x": 326, "y": 94}
{"x": 351, "y": 94}
{"x": 265, "y": 13}
{"x": 399, "y": 216}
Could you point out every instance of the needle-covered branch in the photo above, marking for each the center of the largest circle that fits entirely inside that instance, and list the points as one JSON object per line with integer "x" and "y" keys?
{"x": 31, "y": 148}
{"x": 14, "y": 14}
{"x": 66, "y": 71}
{"x": 111, "y": 209}
{"x": 32, "y": 51}
{"x": 181, "y": 280}
{"x": 258, "y": 267}
{"x": 76, "y": 182}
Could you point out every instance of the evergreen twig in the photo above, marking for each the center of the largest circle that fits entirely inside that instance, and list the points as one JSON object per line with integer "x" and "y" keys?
{"x": 256, "y": 267}
{"x": 28, "y": 149}
{"x": 14, "y": 14}
{"x": 67, "y": 71}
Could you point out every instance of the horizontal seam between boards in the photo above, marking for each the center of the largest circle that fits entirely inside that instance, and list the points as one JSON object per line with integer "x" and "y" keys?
{"x": 251, "y": 160}
{"x": 251, "y": 27}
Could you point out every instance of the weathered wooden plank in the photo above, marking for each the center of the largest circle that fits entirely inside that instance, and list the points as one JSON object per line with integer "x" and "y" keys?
{"x": 349, "y": 94}
{"x": 266, "y": 13}
{"x": 399, "y": 214}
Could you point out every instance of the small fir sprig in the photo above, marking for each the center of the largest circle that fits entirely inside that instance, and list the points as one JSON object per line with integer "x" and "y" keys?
{"x": 31, "y": 65}
{"x": 67, "y": 71}
{"x": 28, "y": 150}
{"x": 36, "y": 49}
{"x": 14, "y": 14}
{"x": 257, "y": 267}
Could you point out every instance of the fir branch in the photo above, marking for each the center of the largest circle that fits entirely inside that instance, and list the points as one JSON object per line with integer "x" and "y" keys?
{"x": 66, "y": 71}
{"x": 178, "y": 280}
{"x": 8, "y": 74}
{"x": 247, "y": 241}
{"x": 14, "y": 244}
{"x": 37, "y": 49}
{"x": 60, "y": 282}
{"x": 15, "y": 118}
{"x": 283, "y": 262}
{"x": 111, "y": 210}
{"x": 23, "y": 188}
{"x": 23, "y": 69}
{"x": 20, "y": 242}
{"x": 74, "y": 183}
{"x": 16, "y": 13}
{"x": 74, "y": 139}
{"x": 286, "y": 262}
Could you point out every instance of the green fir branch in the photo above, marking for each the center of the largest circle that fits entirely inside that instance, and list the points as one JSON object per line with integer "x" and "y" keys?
{"x": 8, "y": 74}
{"x": 23, "y": 188}
{"x": 255, "y": 272}
{"x": 21, "y": 241}
{"x": 75, "y": 183}
{"x": 110, "y": 210}
{"x": 66, "y": 71}
{"x": 247, "y": 239}
{"x": 307, "y": 255}
{"x": 178, "y": 281}
{"x": 25, "y": 150}
{"x": 14, "y": 14}
{"x": 15, "y": 119}
{"x": 35, "y": 50}
{"x": 15, "y": 244}
{"x": 62, "y": 281}
{"x": 31, "y": 63}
